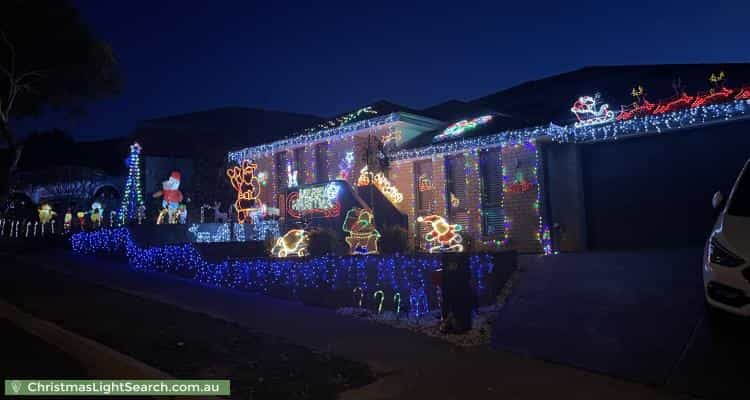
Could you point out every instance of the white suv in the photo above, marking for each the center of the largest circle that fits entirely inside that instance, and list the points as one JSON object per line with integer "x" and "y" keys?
{"x": 726, "y": 261}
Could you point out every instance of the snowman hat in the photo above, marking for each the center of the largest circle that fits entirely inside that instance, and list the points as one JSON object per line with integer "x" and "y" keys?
{"x": 175, "y": 175}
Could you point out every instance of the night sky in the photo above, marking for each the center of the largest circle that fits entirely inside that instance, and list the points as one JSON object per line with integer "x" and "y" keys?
{"x": 182, "y": 56}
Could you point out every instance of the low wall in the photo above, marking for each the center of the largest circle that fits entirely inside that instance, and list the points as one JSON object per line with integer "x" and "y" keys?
{"x": 327, "y": 280}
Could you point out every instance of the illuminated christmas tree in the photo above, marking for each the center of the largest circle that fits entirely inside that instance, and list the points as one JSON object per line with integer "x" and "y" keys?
{"x": 132, "y": 197}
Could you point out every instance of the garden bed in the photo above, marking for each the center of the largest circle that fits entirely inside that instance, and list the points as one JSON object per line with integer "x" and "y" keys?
{"x": 429, "y": 324}
{"x": 406, "y": 280}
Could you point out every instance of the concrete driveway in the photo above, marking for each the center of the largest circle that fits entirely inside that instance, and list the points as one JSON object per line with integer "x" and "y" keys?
{"x": 637, "y": 315}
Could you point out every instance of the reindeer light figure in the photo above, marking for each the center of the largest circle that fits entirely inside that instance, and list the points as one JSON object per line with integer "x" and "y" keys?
{"x": 219, "y": 216}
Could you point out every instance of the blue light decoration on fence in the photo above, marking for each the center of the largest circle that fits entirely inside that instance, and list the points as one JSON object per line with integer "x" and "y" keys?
{"x": 396, "y": 273}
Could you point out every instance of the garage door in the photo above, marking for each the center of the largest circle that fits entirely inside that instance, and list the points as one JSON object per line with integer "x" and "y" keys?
{"x": 656, "y": 191}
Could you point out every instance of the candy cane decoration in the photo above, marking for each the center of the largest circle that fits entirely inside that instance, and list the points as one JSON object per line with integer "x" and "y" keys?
{"x": 361, "y": 295}
{"x": 52, "y": 226}
{"x": 397, "y": 300}
{"x": 16, "y": 230}
{"x": 382, "y": 297}
{"x": 42, "y": 229}
{"x": 414, "y": 305}
{"x": 35, "y": 226}
{"x": 28, "y": 225}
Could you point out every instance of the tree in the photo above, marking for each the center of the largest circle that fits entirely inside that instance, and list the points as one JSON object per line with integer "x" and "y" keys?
{"x": 132, "y": 198}
{"x": 49, "y": 60}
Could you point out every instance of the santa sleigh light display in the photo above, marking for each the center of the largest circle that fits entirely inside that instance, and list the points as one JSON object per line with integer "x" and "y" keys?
{"x": 587, "y": 113}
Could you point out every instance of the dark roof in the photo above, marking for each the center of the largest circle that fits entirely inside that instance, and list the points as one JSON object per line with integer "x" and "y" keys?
{"x": 378, "y": 108}
{"x": 216, "y": 131}
{"x": 498, "y": 123}
{"x": 549, "y": 99}
{"x": 453, "y": 110}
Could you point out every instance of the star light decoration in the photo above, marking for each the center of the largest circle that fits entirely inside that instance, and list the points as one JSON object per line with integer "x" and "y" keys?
{"x": 345, "y": 165}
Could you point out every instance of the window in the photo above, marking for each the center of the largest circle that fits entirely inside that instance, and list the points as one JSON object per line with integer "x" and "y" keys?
{"x": 492, "y": 193}
{"x": 423, "y": 183}
{"x": 299, "y": 154}
{"x": 321, "y": 162}
{"x": 279, "y": 163}
{"x": 456, "y": 190}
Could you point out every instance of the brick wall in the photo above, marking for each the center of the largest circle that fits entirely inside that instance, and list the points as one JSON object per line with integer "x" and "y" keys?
{"x": 438, "y": 185}
{"x": 473, "y": 194}
{"x": 520, "y": 161}
{"x": 401, "y": 174}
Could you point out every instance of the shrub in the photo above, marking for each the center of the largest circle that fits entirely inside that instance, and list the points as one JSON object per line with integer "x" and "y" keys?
{"x": 395, "y": 239}
{"x": 323, "y": 241}
{"x": 269, "y": 242}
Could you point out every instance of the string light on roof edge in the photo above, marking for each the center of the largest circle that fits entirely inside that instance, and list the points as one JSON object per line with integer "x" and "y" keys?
{"x": 322, "y": 135}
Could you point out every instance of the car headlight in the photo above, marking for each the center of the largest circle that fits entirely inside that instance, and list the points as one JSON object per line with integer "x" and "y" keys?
{"x": 718, "y": 254}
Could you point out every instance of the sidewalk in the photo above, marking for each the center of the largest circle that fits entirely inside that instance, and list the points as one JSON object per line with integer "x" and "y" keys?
{"x": 417, "y": 366}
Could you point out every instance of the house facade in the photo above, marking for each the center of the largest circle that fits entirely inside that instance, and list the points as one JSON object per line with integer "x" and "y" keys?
{"x": 525, "y": 189}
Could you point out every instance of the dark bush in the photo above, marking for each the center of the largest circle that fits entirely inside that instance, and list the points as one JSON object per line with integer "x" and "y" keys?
{"x": 269, "y": 242}
{"x": 323, "y": 241}
{"x": 394, "y": 239}
{"x": 470, "y": 245}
